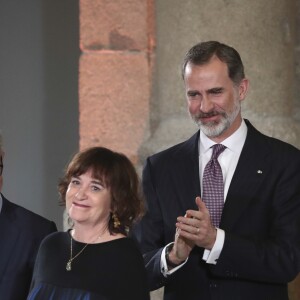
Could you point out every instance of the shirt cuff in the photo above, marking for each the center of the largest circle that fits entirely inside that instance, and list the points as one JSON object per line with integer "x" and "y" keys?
{"x": 164, "y": 266}
{"x": 211, "y": 256}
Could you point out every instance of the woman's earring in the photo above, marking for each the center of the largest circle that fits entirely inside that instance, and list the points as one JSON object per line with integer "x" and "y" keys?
{"x": 116, "y": 221}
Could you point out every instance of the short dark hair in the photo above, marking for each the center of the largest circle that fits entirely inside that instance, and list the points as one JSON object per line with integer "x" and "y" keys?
{"x": 201, "y": 54}
{"x": 118, "y": 174}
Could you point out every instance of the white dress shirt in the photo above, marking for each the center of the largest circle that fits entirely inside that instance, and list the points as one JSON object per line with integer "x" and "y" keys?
{"x": 228, "y": 160}
{"x": 0, "y": 203}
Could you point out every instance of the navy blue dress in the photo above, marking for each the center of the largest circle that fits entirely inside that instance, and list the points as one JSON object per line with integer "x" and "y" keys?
{"x": 111, "y": 270}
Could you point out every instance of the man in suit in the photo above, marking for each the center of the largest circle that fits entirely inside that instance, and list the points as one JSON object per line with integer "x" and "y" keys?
{"x": 253, "y": 252}
{"x": 21, "y": 232}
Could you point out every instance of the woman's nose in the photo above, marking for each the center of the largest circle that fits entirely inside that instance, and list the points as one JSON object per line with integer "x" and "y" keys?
{"x": 81, "y": 194}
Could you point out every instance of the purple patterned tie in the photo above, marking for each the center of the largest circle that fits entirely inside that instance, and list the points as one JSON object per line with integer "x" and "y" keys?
{"x": 213, "y": 186}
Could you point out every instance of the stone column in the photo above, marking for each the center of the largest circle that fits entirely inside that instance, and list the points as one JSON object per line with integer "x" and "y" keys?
{"x": 117, "y": 40}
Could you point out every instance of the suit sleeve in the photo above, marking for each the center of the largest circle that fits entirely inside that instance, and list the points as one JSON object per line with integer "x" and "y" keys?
{"x": 150, "y": 232}
{"x": 43, "y": 229}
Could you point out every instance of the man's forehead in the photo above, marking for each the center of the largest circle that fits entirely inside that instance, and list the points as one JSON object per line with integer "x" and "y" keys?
{"x": 211, "y": 74}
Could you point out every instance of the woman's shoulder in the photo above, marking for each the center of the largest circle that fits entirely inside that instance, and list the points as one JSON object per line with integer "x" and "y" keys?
{"x": 126, "y": 246}
{"x": 123, "y": 241}
{"x": 119, "y": 244}
{"x": 55, "y": 237}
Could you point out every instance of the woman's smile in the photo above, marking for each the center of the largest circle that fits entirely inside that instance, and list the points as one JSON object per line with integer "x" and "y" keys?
{"x": 76, "y": 204}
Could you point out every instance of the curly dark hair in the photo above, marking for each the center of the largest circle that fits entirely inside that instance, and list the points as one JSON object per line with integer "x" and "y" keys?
{"x": 118, "y": 174}
{"x": 201, "y": 54}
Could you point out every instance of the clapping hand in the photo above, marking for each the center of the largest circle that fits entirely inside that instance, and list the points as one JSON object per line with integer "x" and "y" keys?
{"x": 195, "y": 228}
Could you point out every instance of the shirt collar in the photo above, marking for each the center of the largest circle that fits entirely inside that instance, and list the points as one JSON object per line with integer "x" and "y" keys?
{"x": 235, "y": 142}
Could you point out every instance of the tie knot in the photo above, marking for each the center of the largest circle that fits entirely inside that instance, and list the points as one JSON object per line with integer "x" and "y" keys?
{"x": 217, "y": 150}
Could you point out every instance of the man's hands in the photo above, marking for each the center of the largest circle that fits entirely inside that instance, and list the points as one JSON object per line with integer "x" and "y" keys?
{"x": 195, "y": 228}
{"x": 181, "y": 249}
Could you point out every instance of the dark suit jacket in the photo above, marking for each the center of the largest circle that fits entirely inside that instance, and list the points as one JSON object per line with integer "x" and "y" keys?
{"x": 261, "y": 221}
{"x": 21, "y": 232}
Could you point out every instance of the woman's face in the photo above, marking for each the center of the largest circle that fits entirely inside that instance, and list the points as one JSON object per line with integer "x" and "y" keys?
{"x": 88, "y": 200}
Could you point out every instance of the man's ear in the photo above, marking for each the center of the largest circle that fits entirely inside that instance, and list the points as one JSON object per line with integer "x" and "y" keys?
{"x": 243, "y": 88}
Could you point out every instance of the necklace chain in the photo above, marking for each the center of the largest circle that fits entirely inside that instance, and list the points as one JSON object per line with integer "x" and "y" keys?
{"x": 69, "y": 262}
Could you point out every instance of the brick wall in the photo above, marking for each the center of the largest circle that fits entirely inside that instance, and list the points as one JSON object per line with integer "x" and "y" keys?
{"x": 117, "y": 43}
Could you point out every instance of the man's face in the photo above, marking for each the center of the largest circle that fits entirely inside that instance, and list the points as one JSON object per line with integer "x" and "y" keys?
{"x": 214, "y": 101}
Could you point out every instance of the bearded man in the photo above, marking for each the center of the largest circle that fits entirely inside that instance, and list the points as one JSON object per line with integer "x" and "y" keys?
{"x": 223, "y": 219}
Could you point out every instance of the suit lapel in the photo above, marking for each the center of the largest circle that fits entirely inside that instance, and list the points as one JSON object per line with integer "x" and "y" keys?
{"x": 9, "y": 234}
{"x": 248, "y": 176}
{"x": 185, "y": 173}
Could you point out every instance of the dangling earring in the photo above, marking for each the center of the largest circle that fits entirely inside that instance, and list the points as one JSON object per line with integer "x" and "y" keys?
{"x": 116, "y": 221}
{"x": 69, "y": 221}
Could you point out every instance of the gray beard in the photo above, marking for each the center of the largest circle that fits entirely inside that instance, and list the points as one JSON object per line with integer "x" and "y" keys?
{"x": 215, "y": 129}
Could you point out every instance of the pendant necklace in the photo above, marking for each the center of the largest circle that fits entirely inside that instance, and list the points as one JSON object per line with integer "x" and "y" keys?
{"x": 69, "y": 262}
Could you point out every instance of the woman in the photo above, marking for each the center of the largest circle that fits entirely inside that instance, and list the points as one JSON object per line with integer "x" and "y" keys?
{"x": 94, "y": 259}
